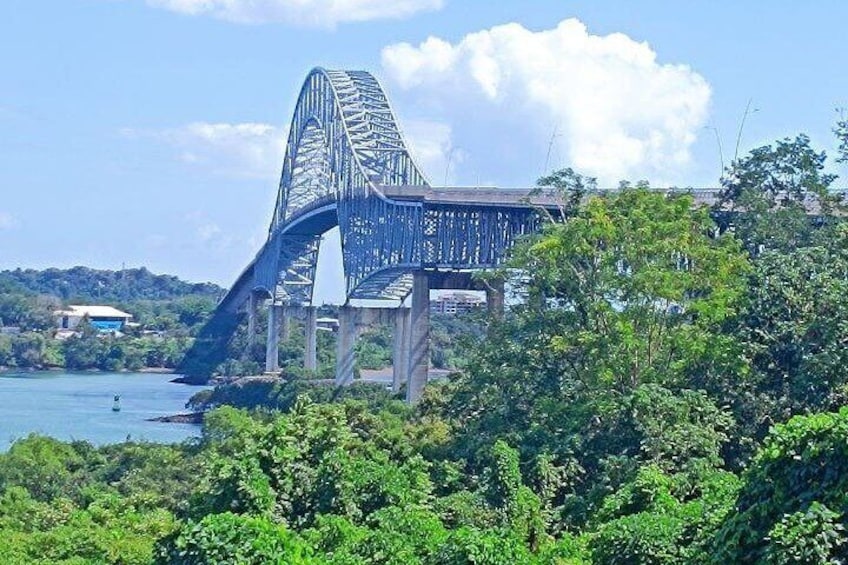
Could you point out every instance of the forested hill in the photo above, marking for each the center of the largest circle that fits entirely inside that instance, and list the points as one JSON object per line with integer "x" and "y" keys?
{"x": 82, "y": 284}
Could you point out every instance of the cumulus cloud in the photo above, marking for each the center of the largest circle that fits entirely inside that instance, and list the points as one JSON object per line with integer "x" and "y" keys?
{"x": 620, "y": 112}
{"x": 250, "y": 150}
{"x": 311, "y": 13}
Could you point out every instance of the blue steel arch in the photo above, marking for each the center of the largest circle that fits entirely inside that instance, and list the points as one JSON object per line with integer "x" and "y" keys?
{"x": 344, "y": 144}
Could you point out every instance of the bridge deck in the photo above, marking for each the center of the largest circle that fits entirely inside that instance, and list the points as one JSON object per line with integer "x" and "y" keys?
{"x": 512, "y": 197}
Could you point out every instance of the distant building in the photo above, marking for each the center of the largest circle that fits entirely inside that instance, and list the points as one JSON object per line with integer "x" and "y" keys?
{"x": 103, "y": 318}
{"x": 454, "y": 303}
{"x": 327, "y": 324}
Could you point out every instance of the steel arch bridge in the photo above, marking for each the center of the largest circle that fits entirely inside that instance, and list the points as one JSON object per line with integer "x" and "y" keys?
{"x": 346, "y": 164}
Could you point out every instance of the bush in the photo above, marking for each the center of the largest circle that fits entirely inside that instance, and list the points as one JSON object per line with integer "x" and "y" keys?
{"x": 243, "y": 540}
{"x": 793, "y": 499}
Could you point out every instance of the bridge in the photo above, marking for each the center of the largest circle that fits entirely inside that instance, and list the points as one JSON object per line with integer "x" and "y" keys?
{"x": 347, "y": 165}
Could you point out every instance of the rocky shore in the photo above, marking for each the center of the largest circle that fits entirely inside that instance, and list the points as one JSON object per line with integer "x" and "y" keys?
{"x": 189, "y": 418}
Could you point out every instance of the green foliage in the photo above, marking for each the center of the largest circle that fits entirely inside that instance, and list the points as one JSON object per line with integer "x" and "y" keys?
{"x": 469, "y": 546}
{"x": 841, "y": 131}
{"x": 238, "y": 540}
{"x": 794, "y": 328}
{"x": 644, "y": 539}
{"x": 598, "y": 372}
{"x": 274, "y": 394}
{"x": 314, "y": 460}
{"x": 676, "y": 429}
{"x": 806, "y": 538}
{"x": 767, "y": 191}
{"x": 45, "y": 467}
{"x": 91, "y": 285}
{"x": 796, "y": 490}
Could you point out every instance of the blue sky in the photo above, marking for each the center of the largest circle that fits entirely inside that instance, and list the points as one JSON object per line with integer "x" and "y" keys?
{"x": 150, "y": 132}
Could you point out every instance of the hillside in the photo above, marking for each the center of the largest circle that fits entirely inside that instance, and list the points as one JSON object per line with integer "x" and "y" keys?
{"x": 83, "y": 284}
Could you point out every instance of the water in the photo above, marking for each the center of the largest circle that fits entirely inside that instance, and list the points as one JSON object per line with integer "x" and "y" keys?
{"x": 71, "y": 406}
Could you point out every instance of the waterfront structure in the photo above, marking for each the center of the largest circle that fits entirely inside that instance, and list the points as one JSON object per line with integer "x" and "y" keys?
{"x": 102, "y": 318}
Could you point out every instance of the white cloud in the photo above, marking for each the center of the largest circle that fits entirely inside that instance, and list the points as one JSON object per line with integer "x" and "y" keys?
{"x": 621, "y": 113}
{"x": 431, "y": 145}
{"x": 248, "y": 150}
{"x": 7, "y": 221}
{"x": 311, "y": 13}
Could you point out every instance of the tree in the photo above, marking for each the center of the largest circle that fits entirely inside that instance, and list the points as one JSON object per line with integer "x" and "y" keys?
{"x": 794, "y": 329}
{"x": 630, "y": 290}
{"x": 769, "y": 195}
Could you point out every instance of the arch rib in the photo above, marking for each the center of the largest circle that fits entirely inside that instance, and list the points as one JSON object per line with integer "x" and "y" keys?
{"x": 344, "y": 143}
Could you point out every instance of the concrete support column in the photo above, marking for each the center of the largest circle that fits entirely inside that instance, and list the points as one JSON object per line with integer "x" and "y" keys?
{"x": 252, "y": 303}
{"x": 310, "y": 359}
{"x": 400, "y": 355}
{"x": 346, "y": 340}
{"x": 495, "y": 298}
{"x": 285, "y": 325}
{"x": 419, "y": 352}
{"x": 272, "y": 348}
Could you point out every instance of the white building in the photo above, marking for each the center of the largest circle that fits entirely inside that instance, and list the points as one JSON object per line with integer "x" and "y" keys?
{"x": 103, "y": 318}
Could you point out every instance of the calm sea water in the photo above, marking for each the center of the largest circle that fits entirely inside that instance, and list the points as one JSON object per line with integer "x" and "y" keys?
{"x": 79, "y": 406}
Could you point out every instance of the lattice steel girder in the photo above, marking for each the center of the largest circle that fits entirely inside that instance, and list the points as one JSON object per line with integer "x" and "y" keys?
{"x": 443, "y": 237}
{"x": 364, "y": 143}
{"x": 298, "y": 260}
{"x": 285, "y": 268}
{"x": 461, "y": 236}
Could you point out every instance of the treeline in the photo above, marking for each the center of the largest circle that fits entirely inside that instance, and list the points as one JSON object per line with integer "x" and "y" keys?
{"x": 671, "y": 390}
{"x": 168, "y": 312}
{"x": 104, "y": 286}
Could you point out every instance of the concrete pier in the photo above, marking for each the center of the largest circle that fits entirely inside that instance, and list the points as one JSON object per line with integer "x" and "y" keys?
{"x": 419, "y": 352}
{"x": 252, "y": 307}
{"x": 310, "y": 326}
{"x": 272, "y": 347}
{"x": 285, "y": 325}
{"x": 346, "y": 340}
{"x": 400, "y": 354}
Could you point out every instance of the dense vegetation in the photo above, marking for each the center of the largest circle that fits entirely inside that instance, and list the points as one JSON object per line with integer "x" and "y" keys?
{"x": 169, "y": 313}
{"x": 81, "y": 284}
{"x": 670, "y": 391}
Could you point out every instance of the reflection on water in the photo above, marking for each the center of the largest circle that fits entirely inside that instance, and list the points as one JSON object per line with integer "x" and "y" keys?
{"x": 79, "y": 406}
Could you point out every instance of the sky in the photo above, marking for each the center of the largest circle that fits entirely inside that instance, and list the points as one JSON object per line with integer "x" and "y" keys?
{"x": 151, "y": 132}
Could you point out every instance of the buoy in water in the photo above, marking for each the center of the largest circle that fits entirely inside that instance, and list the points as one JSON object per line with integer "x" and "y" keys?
{"x": 116, "y": 403}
